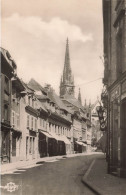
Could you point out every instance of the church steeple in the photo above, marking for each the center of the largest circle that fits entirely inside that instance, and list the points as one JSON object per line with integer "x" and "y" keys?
{"x": 67, "y": 82}
{"x": 79, "y": 97}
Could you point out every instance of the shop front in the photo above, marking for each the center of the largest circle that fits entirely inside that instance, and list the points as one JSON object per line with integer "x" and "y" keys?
{"x": 114, "y": 128}
{"x": 5, "y": 144}
{"x": 122, "y": 171}
{"x": 16, "y": 145}
{"x": 48, "y": 145}
{"x": 31, "y": 145}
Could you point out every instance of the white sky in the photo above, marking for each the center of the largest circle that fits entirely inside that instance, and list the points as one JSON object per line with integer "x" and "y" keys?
{"x": 35, "y": 32}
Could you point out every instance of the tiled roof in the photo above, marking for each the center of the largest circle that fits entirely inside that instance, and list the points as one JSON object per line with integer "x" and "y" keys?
{"x": 56, "y": 99}
{"x": 27, "y": 88}
{"x": 73, "y": 101}
{"x": 35, "y": 85}
{"x": 42, "y": 97}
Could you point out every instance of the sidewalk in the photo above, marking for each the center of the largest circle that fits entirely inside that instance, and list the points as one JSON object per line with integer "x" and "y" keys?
{"x": 16, "y": 165}
{"x": 97, "y": 179}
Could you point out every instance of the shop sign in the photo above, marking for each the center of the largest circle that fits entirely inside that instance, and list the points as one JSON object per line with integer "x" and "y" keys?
{"x": 115, "y": 93}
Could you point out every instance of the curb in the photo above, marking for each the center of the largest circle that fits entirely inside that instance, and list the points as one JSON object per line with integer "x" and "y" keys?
{"x": 84, "y": 180}
{"x": 23, "y": 164}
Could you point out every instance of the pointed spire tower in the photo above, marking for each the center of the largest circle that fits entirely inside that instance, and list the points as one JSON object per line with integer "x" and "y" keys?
{"x": 79, "y": 97}
{"x": 67, "y": 81}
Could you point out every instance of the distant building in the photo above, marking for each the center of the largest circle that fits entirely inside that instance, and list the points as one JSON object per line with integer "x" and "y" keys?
{"x": 114, "y": 96}
{"x": 67, "y": 79}
{"x": 54, "y": 122}
{"x": 79, "y": 116}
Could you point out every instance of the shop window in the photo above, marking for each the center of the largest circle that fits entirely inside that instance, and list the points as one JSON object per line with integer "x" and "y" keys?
{"x": 33, "y": 146}
{"x": 30, "y": 145}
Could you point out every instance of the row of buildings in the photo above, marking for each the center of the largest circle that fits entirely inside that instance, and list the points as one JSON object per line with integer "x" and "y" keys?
{"x": 114, "y": 94}
{"x": 35, "y": 121}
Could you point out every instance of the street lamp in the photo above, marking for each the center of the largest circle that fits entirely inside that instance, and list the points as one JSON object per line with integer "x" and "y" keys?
{"x": 100, "y": 111}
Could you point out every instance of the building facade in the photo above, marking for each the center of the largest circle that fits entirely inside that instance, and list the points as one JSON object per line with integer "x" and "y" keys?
{"x": 8, "y": 70}
{"x": 114, "y": 20}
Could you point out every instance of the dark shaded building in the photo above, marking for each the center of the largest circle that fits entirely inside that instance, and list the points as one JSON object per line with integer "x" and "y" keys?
{"x": 8, "y": 68}
{"x": 114, "y": 23}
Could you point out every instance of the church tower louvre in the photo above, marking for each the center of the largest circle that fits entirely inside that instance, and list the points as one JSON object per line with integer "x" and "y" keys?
{"x": 79, "y": 97}
{"x": 67, "y": 79}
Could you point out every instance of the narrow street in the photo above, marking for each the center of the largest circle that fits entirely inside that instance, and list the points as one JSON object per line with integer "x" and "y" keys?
{"x": 60, "y": 176}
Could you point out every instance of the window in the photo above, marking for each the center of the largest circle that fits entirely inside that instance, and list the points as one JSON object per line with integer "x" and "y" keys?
{"x": 27, "y": 121}
{"x": 33, "y": 103}
{"x": 119, "y": 50}
{"x": 35, "y": 124}
{"x": 6, "y": 112}
{"x": 40, "y": 122}
{"x": 6, "y": 97}
{"x": 32, "y": 122}
{"x": 13, "y": 118}
{"x": 29, "y": 101}
{"x": 6, "y": 84}
{"x": 17, "y": 120}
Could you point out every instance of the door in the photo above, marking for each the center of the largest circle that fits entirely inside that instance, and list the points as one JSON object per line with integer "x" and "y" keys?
{"x": 5, "y": 146}
{"x": 33, "y": 152}
{"x": 26, "y": 148}
{"x": 123, "y": 134}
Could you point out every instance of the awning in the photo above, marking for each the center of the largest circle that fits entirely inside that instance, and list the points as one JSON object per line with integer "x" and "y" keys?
{"x": 46, "y": 134}
{"x": 65, "y": 139}
{"x": 60, "y": 138}
{"x": 84, "y": 144}
{"x": 55, "y": 136}
{"x": 81, "y": 143}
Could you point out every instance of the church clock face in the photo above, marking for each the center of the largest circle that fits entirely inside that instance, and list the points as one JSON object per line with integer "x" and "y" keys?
{"x": 69, "y": 90}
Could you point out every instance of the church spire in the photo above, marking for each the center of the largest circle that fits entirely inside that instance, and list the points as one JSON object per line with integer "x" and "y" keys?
{"x": 67, "y": 84}
{"x": 79, "y": 96}
{"x": 67, "y": 73}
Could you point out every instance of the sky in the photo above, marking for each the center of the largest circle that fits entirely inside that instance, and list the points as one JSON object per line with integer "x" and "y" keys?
{"x": 35, "y": 33}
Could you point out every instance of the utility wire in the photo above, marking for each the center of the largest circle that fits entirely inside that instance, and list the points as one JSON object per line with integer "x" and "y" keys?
{"x": 88, "y": 82}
